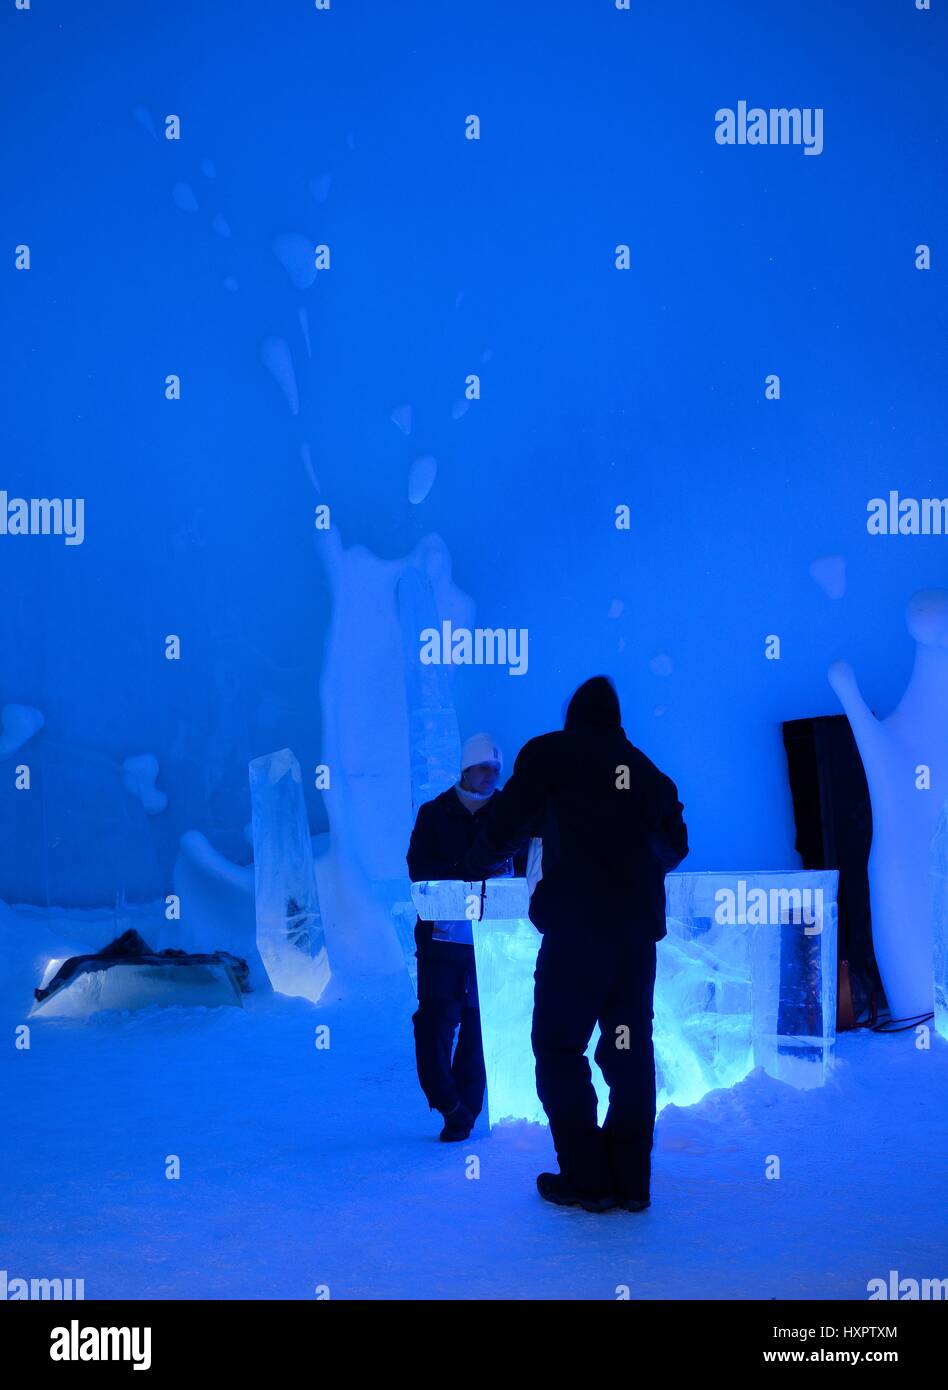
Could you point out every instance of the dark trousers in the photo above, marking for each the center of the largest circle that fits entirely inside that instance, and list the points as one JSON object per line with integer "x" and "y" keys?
{"x": 448, "y": 1004}
{"x": 580, "y": 982}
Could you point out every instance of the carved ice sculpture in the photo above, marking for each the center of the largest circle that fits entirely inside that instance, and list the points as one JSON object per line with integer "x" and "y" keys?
{"x": 433, "y": 735}
{"x": 746, "y": 977}
{"x": 940, "y": 920}
{"x": 906, "y": 761}
{"x": 216, "y": 906}
{"x": 370, "y": 743}
{"x": 289, "y": 925}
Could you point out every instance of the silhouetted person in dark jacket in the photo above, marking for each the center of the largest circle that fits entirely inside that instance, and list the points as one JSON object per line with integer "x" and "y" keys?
{"x": 612, "y": 827}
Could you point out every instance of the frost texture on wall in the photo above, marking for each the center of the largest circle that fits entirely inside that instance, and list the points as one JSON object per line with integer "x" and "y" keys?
{"x": 82, "y": 833}
{"x": 906, "y": 760}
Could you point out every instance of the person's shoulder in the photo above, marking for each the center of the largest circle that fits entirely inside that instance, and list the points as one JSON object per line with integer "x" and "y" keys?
{"x": 444, "y": 801}
{"x": 538, "y": 747}
{"x": 638, "y": 757}
{"x": 645, "y": 765}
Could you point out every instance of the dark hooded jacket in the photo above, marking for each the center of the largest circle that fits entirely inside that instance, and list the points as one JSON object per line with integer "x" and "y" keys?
{"x": 610, "y": 822}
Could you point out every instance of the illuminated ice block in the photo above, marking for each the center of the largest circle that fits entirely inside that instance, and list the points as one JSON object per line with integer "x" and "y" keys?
{"x": 940, "y": 920}
{"x": 746, "y": 977}
{"x": 505, "y": 952}
{"x": 289, "y": 924}
{"x": 703, "y": 1000}
{"x": 768, "y": 995}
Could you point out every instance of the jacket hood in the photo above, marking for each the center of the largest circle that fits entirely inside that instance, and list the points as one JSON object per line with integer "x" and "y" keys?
{"x": 595, "y": 705}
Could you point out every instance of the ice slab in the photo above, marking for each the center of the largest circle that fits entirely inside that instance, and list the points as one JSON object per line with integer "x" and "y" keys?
{"x": 290, "y": 934}
{"x": 787, "y": 922}
{"x": 128, "y": 985}
{"x": 703, "y": 1008}
{"x": 506, "y": 954}
{"x": 452, "y": 900}
{"x": 746, "y": 977}
{"x": 940, "y": 920}
{"x": 403, "y": 917}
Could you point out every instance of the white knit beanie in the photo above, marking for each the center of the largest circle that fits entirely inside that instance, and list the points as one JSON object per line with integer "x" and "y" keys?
{"x": 480, "y": 748}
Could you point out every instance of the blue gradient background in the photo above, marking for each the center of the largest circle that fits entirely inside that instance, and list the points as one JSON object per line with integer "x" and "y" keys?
{"x": 601, "y": 387}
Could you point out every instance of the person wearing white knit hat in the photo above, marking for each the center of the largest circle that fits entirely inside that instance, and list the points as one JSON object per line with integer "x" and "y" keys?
{"x": 481, "y": 765}
{"x": 445, "y": 829}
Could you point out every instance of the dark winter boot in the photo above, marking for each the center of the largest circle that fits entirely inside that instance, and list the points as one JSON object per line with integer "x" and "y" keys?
{"x": 458, "y": 1124}
{"x": 556, "y": 1188}
{"x": 633, "y": 1203}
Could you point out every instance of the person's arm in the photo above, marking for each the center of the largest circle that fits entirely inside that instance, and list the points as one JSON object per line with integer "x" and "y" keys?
{"x": 668, "y": 841}
{"x": 423, "y": 862}
{"x": 511, "y": 816}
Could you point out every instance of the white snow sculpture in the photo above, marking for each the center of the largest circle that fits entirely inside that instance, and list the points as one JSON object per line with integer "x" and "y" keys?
{"x": 217, "y": 907}
{"x": 139, "y": 774}
{"x": 906, "y": 760}
{"x": 940, "y": 920}
{"x": 369, "y": 745}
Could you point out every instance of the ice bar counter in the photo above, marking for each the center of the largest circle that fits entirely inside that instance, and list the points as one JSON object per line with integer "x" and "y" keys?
{"x": 746, "y": 978}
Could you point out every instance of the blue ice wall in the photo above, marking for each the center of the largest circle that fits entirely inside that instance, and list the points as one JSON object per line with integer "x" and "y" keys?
{"x": 449, "y": 257}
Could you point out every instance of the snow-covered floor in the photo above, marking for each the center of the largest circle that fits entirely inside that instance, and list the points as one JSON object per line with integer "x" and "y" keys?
{"x": 303, "y": 1167}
